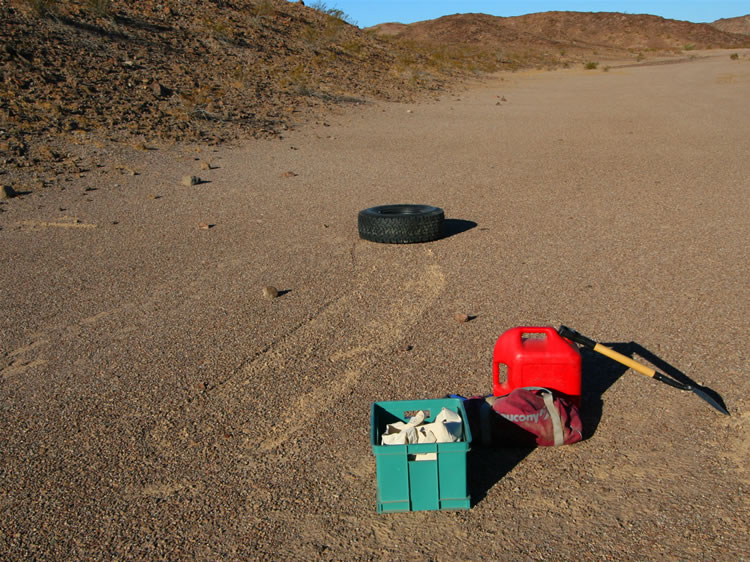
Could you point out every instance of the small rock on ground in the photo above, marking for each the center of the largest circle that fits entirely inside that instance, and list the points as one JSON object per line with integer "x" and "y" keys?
{"x": 190, "y": 180}
{"x": 270, "y": 292}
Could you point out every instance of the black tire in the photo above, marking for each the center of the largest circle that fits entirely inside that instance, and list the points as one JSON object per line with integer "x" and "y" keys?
{"x": 401, "y": 224}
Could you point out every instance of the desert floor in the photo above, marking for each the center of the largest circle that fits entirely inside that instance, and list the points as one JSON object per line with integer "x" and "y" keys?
{"x": 154, "y": 405}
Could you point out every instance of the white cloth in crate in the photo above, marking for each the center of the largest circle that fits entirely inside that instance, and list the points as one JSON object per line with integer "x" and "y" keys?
{"x": 447, "y": 428}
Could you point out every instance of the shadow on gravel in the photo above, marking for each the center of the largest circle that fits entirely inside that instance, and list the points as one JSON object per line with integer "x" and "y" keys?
{"x": 19, "y": 193}
{"x": 451, "y": 227}
{"x": 674, "y": 372}
{"x": 487, "y": 466}
{"x": 598, "y": 373}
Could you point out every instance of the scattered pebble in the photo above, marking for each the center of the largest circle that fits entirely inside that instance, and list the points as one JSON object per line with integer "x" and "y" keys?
{"x": 205, "y": 165}
{"x": 47, "y": 153}
{"x": 7, "y": 192}
{"x": 270, "y": 292}
{"x": 204, "y": 225}
{"x": 405, "y": 347}
{"x": 289, "y": 175}
{"x": 160, "y": 91}
{"x": 460, "y": 317}
{"x": 190, "y": 180}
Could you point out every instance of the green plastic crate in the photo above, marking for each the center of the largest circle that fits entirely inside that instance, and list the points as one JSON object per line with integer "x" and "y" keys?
{"x": 407, "y": 484}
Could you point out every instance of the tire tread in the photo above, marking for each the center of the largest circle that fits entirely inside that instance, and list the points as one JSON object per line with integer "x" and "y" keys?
{"x": 401, "y": 229}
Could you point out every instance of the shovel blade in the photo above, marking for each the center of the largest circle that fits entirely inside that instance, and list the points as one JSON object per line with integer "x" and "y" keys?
{"x": 712, "y": 398}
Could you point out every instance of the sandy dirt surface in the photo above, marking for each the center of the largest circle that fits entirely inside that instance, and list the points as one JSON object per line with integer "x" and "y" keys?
{"x": 154, "y": 405}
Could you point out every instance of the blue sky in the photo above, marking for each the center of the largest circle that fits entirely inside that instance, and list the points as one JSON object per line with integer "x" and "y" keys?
{"x": 371, "y": 12}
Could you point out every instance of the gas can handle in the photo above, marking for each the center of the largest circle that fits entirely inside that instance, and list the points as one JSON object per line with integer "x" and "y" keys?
{"x": 572, "y": 335}
{"x": 498, "y": 388}
{"x": 546, "y": 330}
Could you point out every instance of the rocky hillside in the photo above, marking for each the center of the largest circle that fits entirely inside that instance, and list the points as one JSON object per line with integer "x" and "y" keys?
{"x": 734, "y": 25}
{"x": 177, "y": 70}
{"x": 140, "y": 72}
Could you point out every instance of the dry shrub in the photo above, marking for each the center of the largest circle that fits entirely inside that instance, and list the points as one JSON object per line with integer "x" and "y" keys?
{"x": 100, "y": 7}
{"x": 42, "y": 8}
{"x": 332, "y": 12}
{"x": 264, "y": 8}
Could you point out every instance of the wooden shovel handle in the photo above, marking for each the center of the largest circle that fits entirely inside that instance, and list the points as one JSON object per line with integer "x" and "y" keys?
{"x": 572, "y": 335}
{"x": 620, "y": 358}
{"x": 715, "y": 401}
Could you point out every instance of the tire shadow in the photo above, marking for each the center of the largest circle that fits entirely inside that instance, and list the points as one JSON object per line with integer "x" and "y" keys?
{"x": 451, "y": 227}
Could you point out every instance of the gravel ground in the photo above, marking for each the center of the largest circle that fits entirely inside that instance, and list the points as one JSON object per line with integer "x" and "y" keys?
{"x": 153, "y": 404}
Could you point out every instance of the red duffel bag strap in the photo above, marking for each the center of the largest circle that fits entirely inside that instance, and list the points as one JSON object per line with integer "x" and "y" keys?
{"x": 554, "y": 414}
{"x": 552, "y": 420}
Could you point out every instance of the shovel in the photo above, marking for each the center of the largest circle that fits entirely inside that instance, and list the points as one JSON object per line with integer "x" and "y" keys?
{"x": 572, "y": 335}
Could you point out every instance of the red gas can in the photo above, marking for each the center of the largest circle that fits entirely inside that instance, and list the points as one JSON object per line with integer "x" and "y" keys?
{"x": 537, "y": 357}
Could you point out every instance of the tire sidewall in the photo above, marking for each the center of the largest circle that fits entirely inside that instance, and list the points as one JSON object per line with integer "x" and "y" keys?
{"x": 401, "y": 224}
{"x": 395, "y": 211}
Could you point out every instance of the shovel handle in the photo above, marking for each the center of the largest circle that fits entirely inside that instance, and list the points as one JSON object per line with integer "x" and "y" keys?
{"x": 625, "y": 360}
{"x": 648, "y": 371}
{"x": 572, "y": 335}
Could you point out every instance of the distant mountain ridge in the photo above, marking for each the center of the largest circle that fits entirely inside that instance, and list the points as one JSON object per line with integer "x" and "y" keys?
{"x": 577, "y": 30}
{"x": 739, "y": 24}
